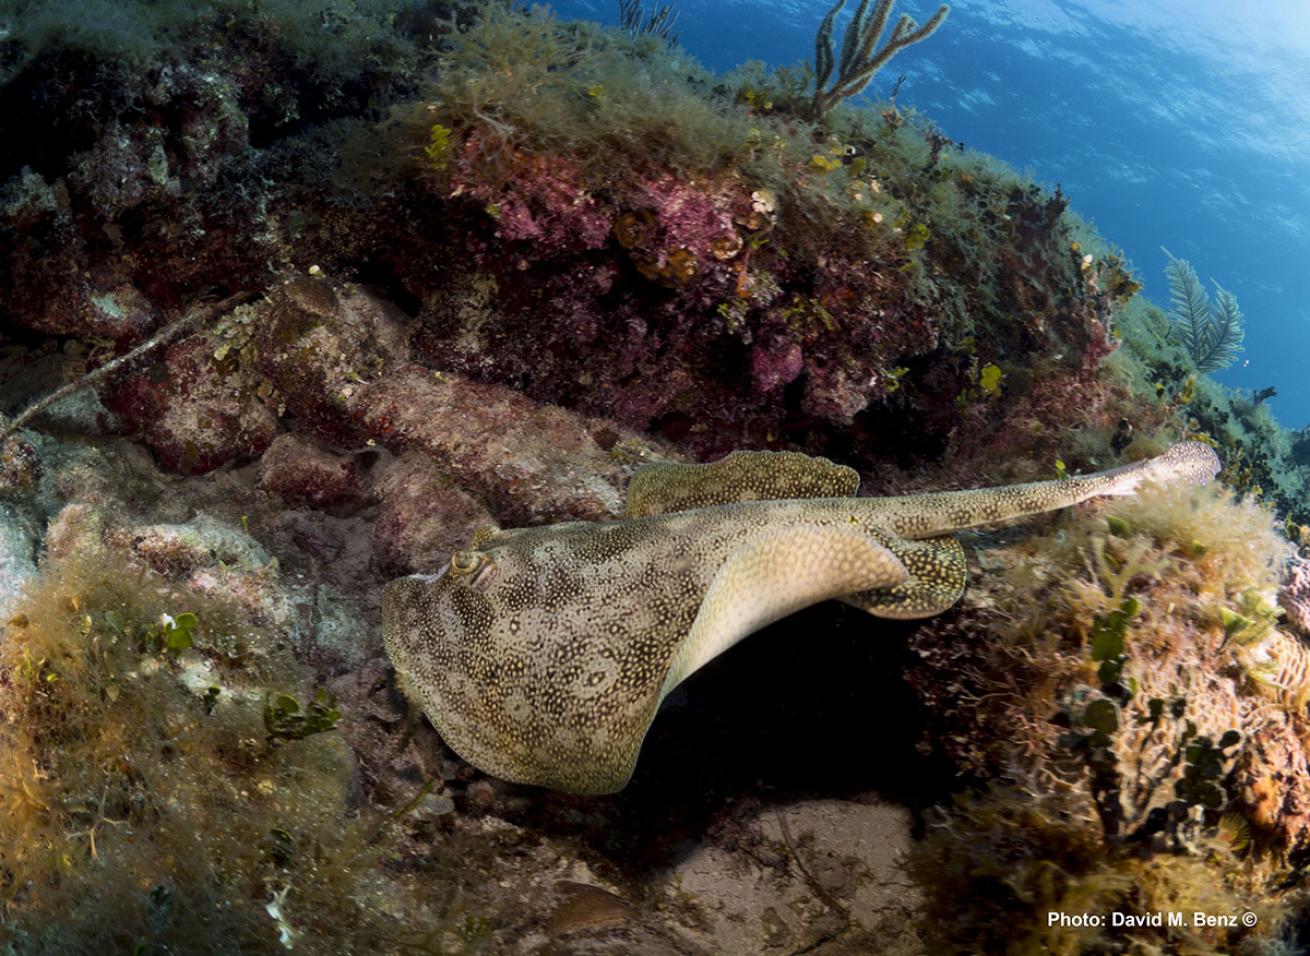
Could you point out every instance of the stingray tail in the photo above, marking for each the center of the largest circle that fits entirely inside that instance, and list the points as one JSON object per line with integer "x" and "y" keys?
{"x": 1186, "y": 462}
{"x": 927, "y": 516}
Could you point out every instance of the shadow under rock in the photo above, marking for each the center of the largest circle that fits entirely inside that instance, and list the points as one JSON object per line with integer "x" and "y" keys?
{"x": 816, "y": 705}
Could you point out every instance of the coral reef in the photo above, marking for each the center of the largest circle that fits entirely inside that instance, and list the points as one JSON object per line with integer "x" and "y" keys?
{"x": 733, "y": 278}
{"x": 486, "y": 263}
{"x": 635, "y": 244}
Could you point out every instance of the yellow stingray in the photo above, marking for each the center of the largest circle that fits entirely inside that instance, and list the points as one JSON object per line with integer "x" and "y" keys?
{"x": 541, "y": 655}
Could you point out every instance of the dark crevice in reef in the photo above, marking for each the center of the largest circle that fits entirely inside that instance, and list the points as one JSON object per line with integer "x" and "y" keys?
{"x": 389, "y": 286}
{"x": 53, "y": 109}
{"x": 815, "y": 705}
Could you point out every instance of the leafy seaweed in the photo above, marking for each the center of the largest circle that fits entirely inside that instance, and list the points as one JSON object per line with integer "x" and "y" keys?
{"x": 285, "y": 719}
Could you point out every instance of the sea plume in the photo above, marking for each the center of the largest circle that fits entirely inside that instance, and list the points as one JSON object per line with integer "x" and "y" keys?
{"x": 1212, "y": 334}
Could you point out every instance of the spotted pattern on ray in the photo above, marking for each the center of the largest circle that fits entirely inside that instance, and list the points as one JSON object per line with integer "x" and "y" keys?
{"x": 542, "y": 654}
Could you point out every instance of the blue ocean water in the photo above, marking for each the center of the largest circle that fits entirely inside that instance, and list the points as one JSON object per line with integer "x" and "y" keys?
{"x": 1175, "y": 123}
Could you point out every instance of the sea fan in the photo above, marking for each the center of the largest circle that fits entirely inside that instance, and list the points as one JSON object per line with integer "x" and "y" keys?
{"x": 1211, "y": 334}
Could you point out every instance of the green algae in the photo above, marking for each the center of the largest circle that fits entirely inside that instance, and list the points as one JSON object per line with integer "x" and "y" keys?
{"x": 147, "y": 802}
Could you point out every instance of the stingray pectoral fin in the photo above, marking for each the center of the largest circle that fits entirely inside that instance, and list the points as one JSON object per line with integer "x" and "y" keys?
{"x": 938, "y": 576}
{"x": 775, "y": 573}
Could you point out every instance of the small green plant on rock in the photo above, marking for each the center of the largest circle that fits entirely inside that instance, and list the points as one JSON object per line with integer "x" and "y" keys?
{"x": 285, "y": 719}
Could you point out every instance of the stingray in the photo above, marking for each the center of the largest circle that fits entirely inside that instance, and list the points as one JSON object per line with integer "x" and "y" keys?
{"x": 541, "y": 655}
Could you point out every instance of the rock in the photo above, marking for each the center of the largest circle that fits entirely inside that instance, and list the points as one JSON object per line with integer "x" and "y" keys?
{"x": 27, "y": 199}
{"x": 542, "y": 200}
{"x": 1294, "y": 595}
{"x": 776, "y": 366}
{"x": 212, "y": 558}
{"x": 319, "y": 541}
{"x": 18, "y": 541}
{"x": 480, "y": 795}
{"x": 109, "y": 308}
{"x": 195, "y": 411}
{"x": 317, "y": 351}
{"x": 126, "y": 166}
{"x": 20, "y": 467}
{"x": 424, "y": 517}
{"x": 77, "y": 527}
{"x": 335, "y": 629}
{"x": 1273, "y": 778}
{"x": 837, "y": 392}
{"x": 337, "y": 360}
{"x": 535, "y": 463}
{"x": 306, "y": 475}
{"x": 174, "y": 549}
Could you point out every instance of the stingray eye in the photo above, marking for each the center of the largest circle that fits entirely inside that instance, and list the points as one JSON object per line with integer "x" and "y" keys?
{"x": 464, "y": 562}
{"x": 475, "y": 567}
{"x": 482, "y": 575}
